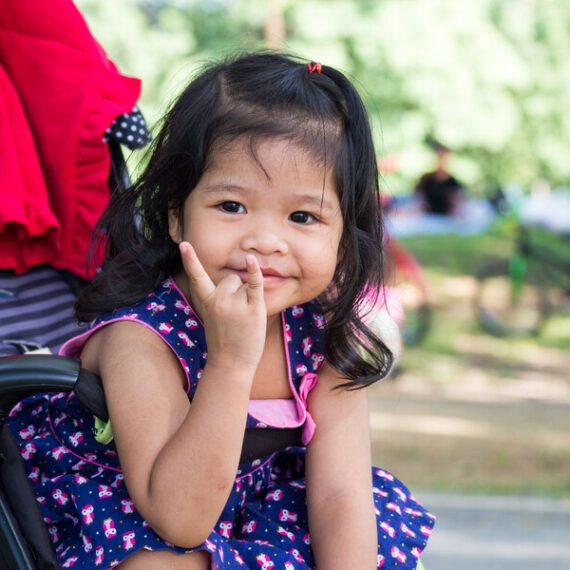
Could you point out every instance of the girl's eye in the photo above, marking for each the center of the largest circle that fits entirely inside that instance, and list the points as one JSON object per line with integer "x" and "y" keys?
{"x": 232, "y": 207}
{"x": 302, "y": 217}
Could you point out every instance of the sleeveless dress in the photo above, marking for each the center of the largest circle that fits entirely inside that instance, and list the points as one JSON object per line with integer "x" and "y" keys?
{"x": 91, "y": 519}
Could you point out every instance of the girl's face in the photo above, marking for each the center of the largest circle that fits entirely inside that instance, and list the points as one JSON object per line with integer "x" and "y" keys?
{"x": 283, "y": 209}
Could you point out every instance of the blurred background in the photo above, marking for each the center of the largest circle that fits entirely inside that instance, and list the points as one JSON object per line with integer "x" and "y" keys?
{"x": 477, "y": 95}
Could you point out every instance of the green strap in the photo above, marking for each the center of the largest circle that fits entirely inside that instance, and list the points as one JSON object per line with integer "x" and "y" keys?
{"x": 103, "y": 431}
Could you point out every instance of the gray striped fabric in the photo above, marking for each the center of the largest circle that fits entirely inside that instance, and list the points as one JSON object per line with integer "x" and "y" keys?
{"x": 36, "y": 308}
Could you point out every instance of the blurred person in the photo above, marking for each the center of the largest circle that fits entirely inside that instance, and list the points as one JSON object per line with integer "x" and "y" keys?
{"x": 438, "y": 192}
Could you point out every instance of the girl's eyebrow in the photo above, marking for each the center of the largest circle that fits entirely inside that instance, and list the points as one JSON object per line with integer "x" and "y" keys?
{"x": 312, "y": 199}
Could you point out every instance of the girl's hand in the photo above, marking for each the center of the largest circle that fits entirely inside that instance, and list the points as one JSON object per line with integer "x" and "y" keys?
{"x": 233, "y": 313}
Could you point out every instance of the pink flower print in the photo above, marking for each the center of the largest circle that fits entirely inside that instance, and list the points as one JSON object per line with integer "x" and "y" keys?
{"x": 380, "y": 561}
{"x": 198, "y": 374}
{"x": 319, "y": 319}
{"x": 90, "y": 456}
{"x": 416, "y": 552}
{"x": 127, "y": 506}
{"x": 165, "y": 328}
{"x": 296, "y": 555}
{"x": 297, "y": 311}
{"x": 59, "y": 496}
{"x": 407, "y": 531}
{"x": 307, "y": 343}
{"x": 79, "y": 465}
{"x": 87, "y": 544}
{"x": 109, "y": 528}
{"x": 390, "y": 531}
{"x": 36, "y": 410}
{"x": 17, "y": 408}
{"x": 27, "y": 432}
{"x": 80, "y": 480}
{"x": 264, "y": 561}
{"x": 87, "y": 514}
{"x": 413, "y": 512}
{"x": 317, "y": 359}
{"x": 226, "y": 528}
{"x": 118, "y": 480}
{"x": 185, "y": 339}
{"x": 191, "y": 323}
{"x": 70, "y": 517}
{"x": 34, "y": 474}
{"x": 301, "y": 369}
{"x": 180, "y": 305}
{"x": 28, "y": 451}
{"x": 238, "y": 558}
{"x": 69, "y": 562}
{"x": 58, "y": 452}
{"x": 396, "y": 553}
{"x": 105, "y": 492}
{"x": 289, "y": 566}
{"x": 282, "y": 531}
{"x": 307, "y": 538}
{"x": 99, "y": 555}
{"x": 41, "y": 500}
{"x": 145, "y": 524}
{"x": 53, "y": 534}
{"x": 286, "y": 515}
{"x": 394, "y": 507}
{"x": 275, "y": 495}
{"x": 155, "y": 307}
{"x": 129, "y": 540}
{"x": 261, "y": 542}
{"x": 378, "y": 491}
{"x": 384, "y": 475}
{"x": 76, "y": 438}
{"x": 258, "y": 486}
{"x": 401, "y": 494}
{"x": 288, "y": 335}
{"x": 132, "y": 316}
{"x": 210, "y": 546}
{"x": 425, "y": 530}
{"x": 248, "y": 527}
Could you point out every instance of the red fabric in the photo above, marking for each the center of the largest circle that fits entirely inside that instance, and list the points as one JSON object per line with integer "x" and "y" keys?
{"x": 69, "y": 92}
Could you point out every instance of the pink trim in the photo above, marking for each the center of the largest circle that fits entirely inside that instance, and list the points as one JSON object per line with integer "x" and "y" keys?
{"x": 270, "y": 458}
{"x": 74, "y": 346}
{"x": 76, "y": 454}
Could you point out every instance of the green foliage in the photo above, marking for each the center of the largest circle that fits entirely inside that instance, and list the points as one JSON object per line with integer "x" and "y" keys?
{"x": 491, "y": 78}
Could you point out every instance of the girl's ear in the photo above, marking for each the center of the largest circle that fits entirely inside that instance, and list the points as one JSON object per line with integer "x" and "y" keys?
{"x": 174, "y": 225}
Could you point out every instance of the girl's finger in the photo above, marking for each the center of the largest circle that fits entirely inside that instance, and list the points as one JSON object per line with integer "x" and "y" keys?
{"x": 254, "y": 279}
{"x": 199, "y": 281}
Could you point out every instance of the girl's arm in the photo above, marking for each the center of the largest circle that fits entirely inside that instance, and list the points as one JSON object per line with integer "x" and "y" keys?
{"x": 340, "y": 503}
{"x": 180, "y": 459}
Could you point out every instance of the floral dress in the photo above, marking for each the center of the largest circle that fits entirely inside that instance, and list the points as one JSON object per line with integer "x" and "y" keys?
{"x": 93, "y": 522}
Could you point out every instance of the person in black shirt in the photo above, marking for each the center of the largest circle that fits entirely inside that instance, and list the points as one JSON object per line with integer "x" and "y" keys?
{"x": 438, "y": 191}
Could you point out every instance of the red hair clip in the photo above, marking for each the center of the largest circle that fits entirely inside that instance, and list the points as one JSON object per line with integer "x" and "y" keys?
{"x": 315, "y": 66}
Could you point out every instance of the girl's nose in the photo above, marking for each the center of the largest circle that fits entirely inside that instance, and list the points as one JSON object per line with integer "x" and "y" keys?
{"x": 264, "y": 239}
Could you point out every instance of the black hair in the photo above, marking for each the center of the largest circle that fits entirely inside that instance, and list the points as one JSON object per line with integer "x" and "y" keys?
{"x": 258, "y": 96}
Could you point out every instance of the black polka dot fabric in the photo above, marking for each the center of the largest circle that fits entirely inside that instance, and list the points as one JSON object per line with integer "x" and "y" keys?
{"x": 129, "y": 129}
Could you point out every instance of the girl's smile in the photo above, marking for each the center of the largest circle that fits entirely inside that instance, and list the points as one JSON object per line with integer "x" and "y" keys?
{"x": 280, "y": 206}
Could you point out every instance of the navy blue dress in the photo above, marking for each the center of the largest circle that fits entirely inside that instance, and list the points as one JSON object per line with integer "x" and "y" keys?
{"x": 92, "y": 520}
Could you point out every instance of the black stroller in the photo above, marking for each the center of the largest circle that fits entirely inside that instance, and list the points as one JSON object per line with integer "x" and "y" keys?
{"x": 24, "y": 367}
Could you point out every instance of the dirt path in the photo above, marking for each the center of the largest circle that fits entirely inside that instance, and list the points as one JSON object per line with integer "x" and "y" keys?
{"x": 470, "y": 412}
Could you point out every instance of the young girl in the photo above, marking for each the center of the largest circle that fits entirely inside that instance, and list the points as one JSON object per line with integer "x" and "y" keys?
{"x": 230, "y": 338}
